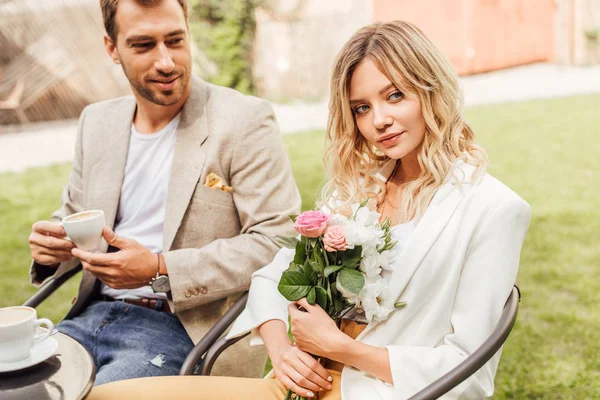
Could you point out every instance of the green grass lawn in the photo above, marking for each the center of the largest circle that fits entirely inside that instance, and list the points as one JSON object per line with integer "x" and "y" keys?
{"x": 547, "y": 151}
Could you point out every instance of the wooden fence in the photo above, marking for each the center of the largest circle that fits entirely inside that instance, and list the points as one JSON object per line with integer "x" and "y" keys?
{"x": 81, "y": 73}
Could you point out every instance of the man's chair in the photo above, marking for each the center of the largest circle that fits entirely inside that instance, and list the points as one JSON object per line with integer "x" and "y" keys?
{"x": 204, "y": 355}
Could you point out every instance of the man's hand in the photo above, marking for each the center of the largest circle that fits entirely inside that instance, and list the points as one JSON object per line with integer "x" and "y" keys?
{"x": 132, "y": 267}
{"x": 48, "y": 244}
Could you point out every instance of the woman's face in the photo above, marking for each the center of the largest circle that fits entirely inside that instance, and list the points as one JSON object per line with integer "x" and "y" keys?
{"x": 390, "y": 120}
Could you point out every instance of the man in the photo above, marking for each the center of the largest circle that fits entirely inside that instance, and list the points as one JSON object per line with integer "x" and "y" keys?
{"x": 150, "y": 163}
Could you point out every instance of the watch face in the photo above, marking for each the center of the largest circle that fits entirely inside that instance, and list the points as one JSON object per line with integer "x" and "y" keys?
{"x": 161, "y": 284}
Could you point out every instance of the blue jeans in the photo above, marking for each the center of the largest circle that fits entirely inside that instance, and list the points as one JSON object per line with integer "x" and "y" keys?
{"x": 129, "y": 341}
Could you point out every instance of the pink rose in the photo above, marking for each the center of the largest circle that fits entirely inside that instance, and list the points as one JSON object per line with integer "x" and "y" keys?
{"x": 335, "y": 239}
{"x": 311, "y": 224}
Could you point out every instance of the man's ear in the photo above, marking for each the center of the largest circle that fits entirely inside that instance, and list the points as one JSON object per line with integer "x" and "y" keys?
{"x": 111, "y": 49}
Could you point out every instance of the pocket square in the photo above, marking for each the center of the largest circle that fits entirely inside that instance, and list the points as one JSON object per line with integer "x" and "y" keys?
{"x": 216, "y": 182}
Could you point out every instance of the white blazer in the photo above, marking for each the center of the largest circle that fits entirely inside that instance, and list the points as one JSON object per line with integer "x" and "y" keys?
{"x": 455, "y": 273}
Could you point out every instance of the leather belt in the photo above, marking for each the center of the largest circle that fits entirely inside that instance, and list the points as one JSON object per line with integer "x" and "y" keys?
{"x": 153, "y": 304}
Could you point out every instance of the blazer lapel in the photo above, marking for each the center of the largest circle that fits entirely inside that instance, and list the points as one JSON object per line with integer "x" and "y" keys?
{"x": 423, "y": 238}
{"x": 109, "y": 173}
{"x": 188, "y": 160}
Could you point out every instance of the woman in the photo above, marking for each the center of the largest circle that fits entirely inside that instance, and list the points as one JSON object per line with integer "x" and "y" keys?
{"x": 395, "y": 135}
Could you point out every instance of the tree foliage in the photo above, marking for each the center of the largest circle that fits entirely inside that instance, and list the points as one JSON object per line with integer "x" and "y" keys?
{"x": 224, "y": 30}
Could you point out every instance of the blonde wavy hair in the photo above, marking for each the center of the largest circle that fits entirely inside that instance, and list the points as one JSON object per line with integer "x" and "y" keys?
{"x": 413, "y": 64}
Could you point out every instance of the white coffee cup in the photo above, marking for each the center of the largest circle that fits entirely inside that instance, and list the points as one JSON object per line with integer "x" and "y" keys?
{"x": 17, "y": 332}
{"x": 85, "y": 229}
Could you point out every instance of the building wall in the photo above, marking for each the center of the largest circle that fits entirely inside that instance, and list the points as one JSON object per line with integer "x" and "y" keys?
{"x": 296, "y": 43}
{"x": 480, "y": 35}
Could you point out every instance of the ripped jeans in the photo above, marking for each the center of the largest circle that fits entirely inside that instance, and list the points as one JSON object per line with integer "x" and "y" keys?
{"x": 128, "y": 341}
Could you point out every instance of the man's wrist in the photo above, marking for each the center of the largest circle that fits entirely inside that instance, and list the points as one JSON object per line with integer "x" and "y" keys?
{"x": 162, "y": 265}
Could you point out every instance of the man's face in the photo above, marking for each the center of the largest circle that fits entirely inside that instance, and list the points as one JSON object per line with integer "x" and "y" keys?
{"x": 153, "y": 47}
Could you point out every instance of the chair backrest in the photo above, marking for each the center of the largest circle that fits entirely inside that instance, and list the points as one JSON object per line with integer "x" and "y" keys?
{"x": 480, "y": 356}
{"x": 212, "y": 345}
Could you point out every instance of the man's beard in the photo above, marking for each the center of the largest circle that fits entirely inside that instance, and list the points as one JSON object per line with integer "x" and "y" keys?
{"x": 147, "y": 93}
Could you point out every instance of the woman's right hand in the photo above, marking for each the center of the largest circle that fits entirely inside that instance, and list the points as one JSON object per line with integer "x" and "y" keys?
{"x": 297, "y": 370}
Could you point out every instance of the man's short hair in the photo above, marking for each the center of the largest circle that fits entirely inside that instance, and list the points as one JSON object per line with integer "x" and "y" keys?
{"x": 109, "y": 10}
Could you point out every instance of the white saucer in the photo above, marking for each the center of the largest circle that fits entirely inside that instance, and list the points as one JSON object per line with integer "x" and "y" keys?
{"x": 40, "y": 352}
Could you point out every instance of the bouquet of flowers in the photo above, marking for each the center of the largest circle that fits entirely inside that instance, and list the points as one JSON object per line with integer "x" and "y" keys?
{"x": 338, "y": 263}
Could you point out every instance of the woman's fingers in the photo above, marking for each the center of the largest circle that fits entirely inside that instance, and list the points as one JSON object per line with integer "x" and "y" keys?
{"x": 318, "y": 373}
{"x": 290, "y": 384}
{"x": 301, "y": 380}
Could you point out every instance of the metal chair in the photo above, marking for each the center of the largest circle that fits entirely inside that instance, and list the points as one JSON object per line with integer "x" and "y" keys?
{"x": 203, "y": 356}
{"x": 197, "y": 352}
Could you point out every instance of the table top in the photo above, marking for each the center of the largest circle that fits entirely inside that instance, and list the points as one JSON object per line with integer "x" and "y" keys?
{"x": 68, "y": 374}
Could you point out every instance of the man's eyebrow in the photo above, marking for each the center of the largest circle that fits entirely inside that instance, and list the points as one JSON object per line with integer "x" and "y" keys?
{"x": 381, "y": 91}
{"x": 175, "y": 33}
{"x": 138, "y": 38}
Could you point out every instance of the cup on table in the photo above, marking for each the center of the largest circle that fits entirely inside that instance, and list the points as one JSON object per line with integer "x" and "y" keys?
{"x": 17, "y": 332}
{"x": 85, "y": 229}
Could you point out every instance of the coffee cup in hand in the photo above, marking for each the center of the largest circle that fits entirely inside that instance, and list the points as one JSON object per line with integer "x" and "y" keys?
{"x": 18, "y": 326}
{"x": 85, "y": 229}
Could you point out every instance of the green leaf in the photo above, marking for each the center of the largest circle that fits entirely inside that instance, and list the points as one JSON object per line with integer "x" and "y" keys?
{"x": 316, "y": 266}
{"x": 351, "y": 257}
{"x": 289, "y": 242}
{"x": 293, "y": 218}
{"x": 364, "y": 203}
{"x": 300, "y": 255}
{"x": 295, "y": 267}
{"x": 351, "y": 280}
{"x": 400, "y": 304}
{"x": 321, "y": 297}
{"x": 311, "y": 297}
{"x": 338, "y": 304}
{"x": 309, "y": 272}
{"x": 331, "y": 269}
{"x": 294, "y": 285}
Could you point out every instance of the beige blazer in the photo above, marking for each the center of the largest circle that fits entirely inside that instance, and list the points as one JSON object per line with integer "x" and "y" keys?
{"x": 455, "y": 274}
{"x": 213, "y": 239}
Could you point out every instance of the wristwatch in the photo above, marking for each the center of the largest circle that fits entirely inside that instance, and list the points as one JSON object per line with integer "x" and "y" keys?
{"x": 160, "y": 284}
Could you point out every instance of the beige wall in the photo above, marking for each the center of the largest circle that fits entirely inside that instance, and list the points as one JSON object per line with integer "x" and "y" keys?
{"x": 480, "y": 35}
{"x": 296, "y": 43}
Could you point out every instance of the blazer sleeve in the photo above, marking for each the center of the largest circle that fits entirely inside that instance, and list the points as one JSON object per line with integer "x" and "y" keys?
{"x": 488, "y": 274}
{"x": 265, "y": 195}
{"x": 71, "y": 202}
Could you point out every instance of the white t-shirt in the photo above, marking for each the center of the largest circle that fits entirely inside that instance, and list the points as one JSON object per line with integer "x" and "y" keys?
{"x": 143, "y": 200}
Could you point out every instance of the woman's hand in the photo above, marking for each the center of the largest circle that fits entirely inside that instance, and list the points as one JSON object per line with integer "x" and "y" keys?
{"x": 314, "y": 331}
{"x": 300, "y": 372}
{"x": 297, "y": 370}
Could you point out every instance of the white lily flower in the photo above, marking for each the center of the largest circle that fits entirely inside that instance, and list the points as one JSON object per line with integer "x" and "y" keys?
{"x": 365, "y": 216}
{"x": 373, "y": 300}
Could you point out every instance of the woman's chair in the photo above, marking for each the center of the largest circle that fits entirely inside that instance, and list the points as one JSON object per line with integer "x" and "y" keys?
{"x": 203, "y": 356}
